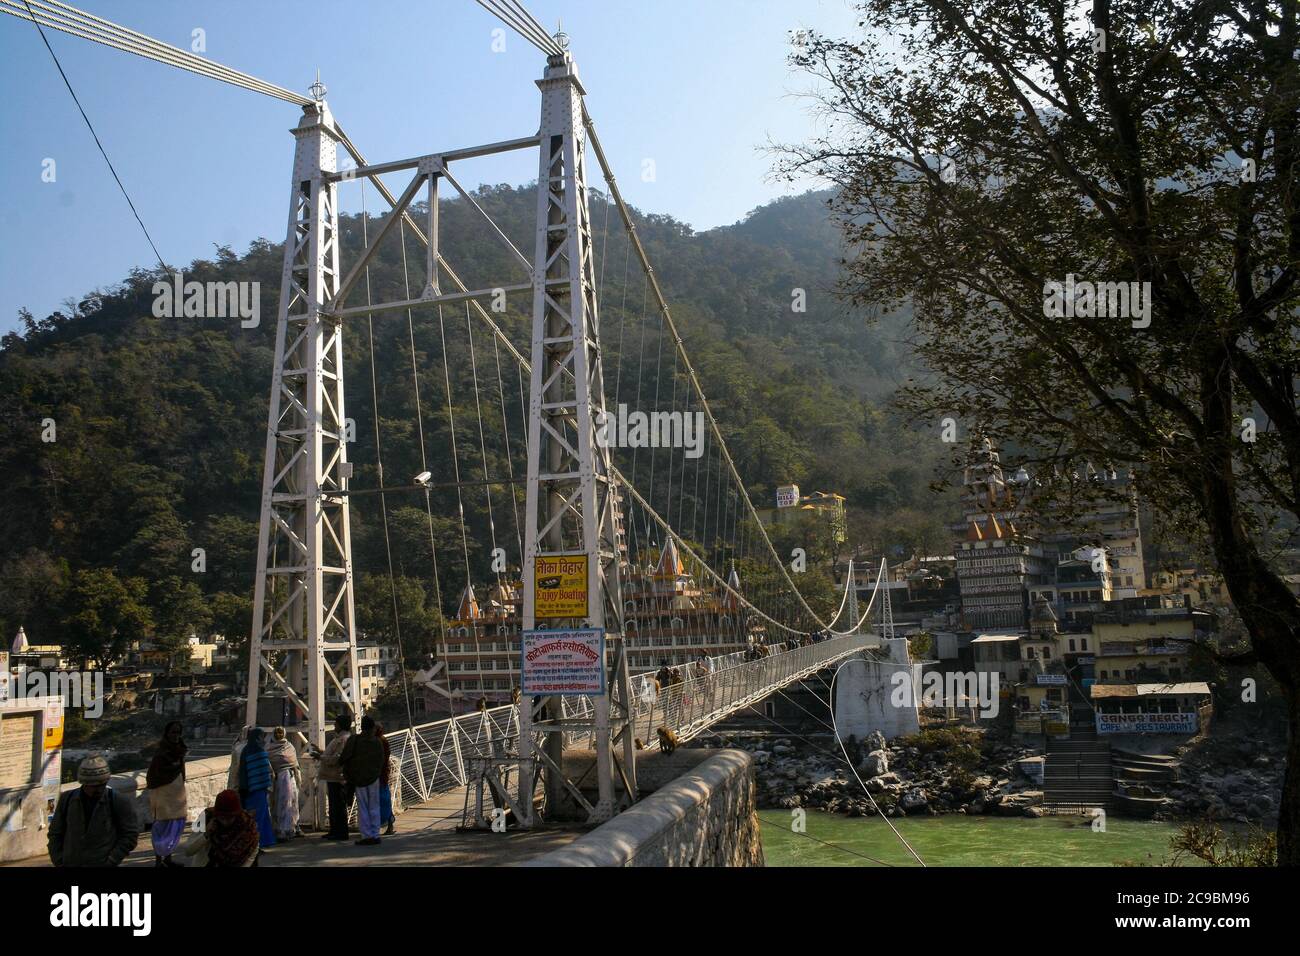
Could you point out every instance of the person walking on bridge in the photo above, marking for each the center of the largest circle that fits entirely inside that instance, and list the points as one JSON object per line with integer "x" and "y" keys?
{"x": 165, "y": 781}
{"x": 288, "y": 779}
{"x": 387, "y": 818}
{"x": 255, "y": 782}
{"x": 92, "y": 825}
{"x": 331, "y": 772}
{"x": 362, "y": 761}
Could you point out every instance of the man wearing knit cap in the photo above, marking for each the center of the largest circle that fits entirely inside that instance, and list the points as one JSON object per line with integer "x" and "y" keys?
{"x": 92, "y": 825}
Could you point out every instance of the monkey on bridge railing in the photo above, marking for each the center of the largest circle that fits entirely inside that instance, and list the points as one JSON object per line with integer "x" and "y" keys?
{"x": 667, "y": 740}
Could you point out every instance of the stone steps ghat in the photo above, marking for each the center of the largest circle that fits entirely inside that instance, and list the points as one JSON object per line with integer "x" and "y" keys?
{"x": 1078, "y": 774}
{"x": 1078, "y": 796}
{"x": 1080, "y": 770}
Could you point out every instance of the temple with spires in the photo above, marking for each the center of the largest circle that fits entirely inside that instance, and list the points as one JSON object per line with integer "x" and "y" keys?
{"x": 1014, "y": 544}
{"x": 668, "y": 616}
{"x": 997, "y": 563}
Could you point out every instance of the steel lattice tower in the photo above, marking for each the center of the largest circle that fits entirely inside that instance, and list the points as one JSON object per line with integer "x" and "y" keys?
{"x": 572, "y": 501}
{"x": 304, "y": 632}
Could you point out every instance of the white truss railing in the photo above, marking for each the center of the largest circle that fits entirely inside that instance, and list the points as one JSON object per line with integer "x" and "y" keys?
{"x": 433, "y": 757}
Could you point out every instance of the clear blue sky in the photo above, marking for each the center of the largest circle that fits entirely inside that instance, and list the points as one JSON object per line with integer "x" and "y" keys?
{"x": 699, "y": 86}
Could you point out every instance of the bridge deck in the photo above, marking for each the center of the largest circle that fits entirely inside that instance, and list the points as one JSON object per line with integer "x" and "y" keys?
{"x": 426, "y": 836}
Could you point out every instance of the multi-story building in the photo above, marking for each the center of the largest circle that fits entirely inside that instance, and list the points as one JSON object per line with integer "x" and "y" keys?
{"x": 996, "y": 562}
{"x": 1145, "y": 640}
{"x": 1202, "y": 589}
{"x": 996, "y": 568}
{"x": 376, "y": 665}
{"x": 1075, "y": 556}
{"x": 1105, "y": 516}
{"x": 1081, "y": 584}
{"x": 668, "y": 617}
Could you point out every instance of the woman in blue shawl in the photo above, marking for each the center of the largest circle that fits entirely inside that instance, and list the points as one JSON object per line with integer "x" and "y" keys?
{"x": 255, "y": 781}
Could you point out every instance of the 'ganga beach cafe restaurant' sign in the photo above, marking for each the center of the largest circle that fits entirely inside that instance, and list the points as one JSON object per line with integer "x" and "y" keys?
{"x": 568, "y": 662}
{"x": 1151, "y": 708}
{"x": 1146, "y": 723}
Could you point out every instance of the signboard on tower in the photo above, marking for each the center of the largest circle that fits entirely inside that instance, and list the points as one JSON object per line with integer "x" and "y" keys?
{"x": 569, "y": 662}
{"x": 560, "y": 586}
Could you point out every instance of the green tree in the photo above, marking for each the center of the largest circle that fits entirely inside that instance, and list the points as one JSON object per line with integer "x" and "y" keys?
{"x": 104, "y": 615}
{"x": 178, "y": 608}
{"x": 33, "y": 587}
{"x": 419, "y": 622}
{"x": 985, "y": 151}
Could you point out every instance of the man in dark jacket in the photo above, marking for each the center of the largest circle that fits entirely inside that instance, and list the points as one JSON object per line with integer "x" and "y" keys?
{"x": 363, "y": 762}
{"x": 92, "y": 825}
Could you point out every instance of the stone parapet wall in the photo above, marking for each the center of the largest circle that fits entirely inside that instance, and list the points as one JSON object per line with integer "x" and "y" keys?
{"x": 705, "y": 817}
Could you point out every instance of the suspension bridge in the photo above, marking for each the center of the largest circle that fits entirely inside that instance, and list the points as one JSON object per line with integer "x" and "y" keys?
{"x": 634, "y": 555}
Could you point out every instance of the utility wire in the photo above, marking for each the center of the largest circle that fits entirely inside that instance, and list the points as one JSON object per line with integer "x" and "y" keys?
{"x": 853, "y": 770}
{"x": 833, "y": 846}
{"x": 102, "y": 151}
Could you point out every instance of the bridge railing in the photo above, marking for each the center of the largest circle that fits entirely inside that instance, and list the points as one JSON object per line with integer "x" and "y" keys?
{"x": 731, "y": 684}
{"x": 434, "y": 757}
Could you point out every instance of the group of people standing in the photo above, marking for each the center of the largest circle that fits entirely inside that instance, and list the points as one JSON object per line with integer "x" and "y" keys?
{"x": 669, "y": 684}
{"x": 268, "y": 779}
{"x": 93, "y": 826}
{"x": 358, "y": 766}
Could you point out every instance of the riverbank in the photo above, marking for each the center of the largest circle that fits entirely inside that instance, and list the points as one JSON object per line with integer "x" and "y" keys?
{"x": 942, "y": 771}
{"x": 1227, "y": 775}
{"x": 955, "y": 840}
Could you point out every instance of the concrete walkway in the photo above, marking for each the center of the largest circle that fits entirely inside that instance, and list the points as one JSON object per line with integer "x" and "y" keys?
{"x": 426, "y": 836}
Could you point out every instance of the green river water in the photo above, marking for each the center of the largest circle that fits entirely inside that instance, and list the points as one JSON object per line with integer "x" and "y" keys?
{"x": 956, "y": 840}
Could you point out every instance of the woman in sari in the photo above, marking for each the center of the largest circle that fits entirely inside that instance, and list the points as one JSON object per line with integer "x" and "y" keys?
{"x": 165, "y": 782}
{"x": 232, "y": 833}
{"x": 255, "y": 782}
{"x": 288, "y": 780}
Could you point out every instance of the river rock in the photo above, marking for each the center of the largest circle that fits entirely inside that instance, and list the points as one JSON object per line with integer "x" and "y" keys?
{"x": 874, "y": 764}
{"x": 1015, "y": 804}
{"x": 914, "y": 800}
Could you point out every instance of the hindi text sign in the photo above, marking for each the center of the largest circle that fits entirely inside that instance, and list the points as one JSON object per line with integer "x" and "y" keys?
{"x": 560, "y": 586}
{"x": 569, "y": 662}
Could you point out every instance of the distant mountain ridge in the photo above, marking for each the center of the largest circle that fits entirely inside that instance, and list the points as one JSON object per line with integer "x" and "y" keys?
{"x": 161, "y": 422}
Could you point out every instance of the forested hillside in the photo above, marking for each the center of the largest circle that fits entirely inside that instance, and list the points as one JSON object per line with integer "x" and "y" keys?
{"x": 160, "y": 423}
